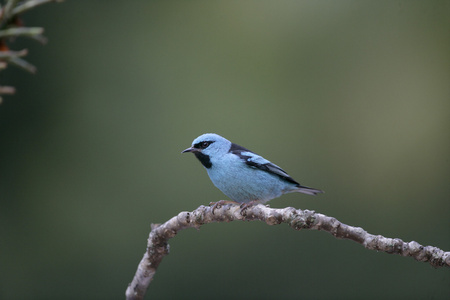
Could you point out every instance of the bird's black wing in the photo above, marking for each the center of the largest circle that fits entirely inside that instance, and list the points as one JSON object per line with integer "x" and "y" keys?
{"x": 256, "y": 161}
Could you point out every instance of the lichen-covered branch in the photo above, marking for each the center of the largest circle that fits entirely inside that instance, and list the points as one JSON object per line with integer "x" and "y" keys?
{"x": 158, "y": 247}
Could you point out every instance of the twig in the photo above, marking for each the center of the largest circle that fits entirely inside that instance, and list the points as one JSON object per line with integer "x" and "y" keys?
{"x": 158, "y": 247}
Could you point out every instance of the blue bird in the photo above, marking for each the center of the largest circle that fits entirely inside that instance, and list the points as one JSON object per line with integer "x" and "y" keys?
{"x": 241, "y": 174}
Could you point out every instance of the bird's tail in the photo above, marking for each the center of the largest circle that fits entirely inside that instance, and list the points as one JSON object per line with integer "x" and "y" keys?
{"x": 308, "y": 190}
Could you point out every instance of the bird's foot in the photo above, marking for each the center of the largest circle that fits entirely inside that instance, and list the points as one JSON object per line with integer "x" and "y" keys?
{"x": 245, "y": 206}
{"x": 219, "y": 204}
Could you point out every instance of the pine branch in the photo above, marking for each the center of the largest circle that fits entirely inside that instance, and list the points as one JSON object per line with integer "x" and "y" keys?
{"x": 11, "y": 27}
{"x": 158, "y": 246}
{"x": 21, "y": 31}
{"x": 29, "y": 5}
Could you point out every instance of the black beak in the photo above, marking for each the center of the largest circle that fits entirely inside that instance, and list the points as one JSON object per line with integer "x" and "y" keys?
{"x": 190, "y": 149}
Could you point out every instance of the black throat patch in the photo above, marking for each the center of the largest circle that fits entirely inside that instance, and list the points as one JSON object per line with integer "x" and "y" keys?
{"x": 204, "y": 159}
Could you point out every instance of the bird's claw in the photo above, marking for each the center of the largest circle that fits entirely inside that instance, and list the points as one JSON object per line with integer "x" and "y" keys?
{"x": 219, "y": 204}
{"x": 244, "y": 206}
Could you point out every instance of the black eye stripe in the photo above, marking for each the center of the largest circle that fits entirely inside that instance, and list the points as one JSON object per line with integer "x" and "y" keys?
{"x": 203, "y": 145}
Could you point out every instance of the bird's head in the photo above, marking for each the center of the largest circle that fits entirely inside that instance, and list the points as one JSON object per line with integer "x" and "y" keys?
{"x": 209, "y": 144}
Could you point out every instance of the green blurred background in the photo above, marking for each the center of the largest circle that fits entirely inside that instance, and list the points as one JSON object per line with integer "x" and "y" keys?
{"x": 352, "y": 97}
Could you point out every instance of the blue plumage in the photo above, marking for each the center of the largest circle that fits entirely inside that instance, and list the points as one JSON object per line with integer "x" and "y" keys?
{"x": 241, "y": 174}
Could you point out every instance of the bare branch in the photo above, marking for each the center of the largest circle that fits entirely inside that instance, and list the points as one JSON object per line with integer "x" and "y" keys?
{"x": 158, "y": 247}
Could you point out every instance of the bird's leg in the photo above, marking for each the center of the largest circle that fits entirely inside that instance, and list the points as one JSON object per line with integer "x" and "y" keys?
{"x": 220, "y": 203}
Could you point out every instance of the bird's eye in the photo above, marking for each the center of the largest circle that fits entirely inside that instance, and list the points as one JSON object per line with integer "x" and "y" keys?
{"x": 203, "y": 145}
